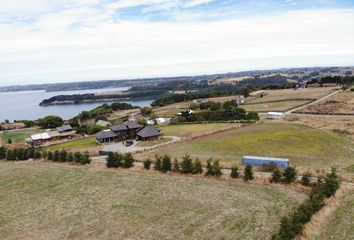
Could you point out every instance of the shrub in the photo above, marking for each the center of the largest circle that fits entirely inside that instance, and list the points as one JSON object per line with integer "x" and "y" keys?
{"x": 175, "y": 166}
{"x": 56, "y": 156}
{"x": 50, "y": 156}
{"x": 128, "y": 161}
{"x": 111, "y": 161}
{"x": 276, "y": 176}
{"x": 331, "y": 183}
{"x": 166, "y": 164}
{"x": 186, "y": 165}
{"x": 197, "y": 167}
{"x": 289, "y": 175}
{"x": 9, "y": 141}
{"x": 77, "y": 157}
{"x": 70, "y": 157}
{"x": 85, "y": 159}
{"x": 305, "y": 179}
{"x": 147, "y": 164}
{"x": 37, "y": 154}
{"x": 62, "y": 155}
{"x": 234, "y": 172}
{"x": 248, "y": 173}
{"x": 2, "y": 152}
{"x": 158, "y": 163}
{"x": 213, "y": 168}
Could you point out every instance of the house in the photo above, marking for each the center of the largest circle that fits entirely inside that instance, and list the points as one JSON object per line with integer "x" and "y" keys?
{"x": 103, "y": 123}
{"x": 148, "y": 133}
{"x": 64, "y": 128}
{"x": 49, "y": 136}
{"x": 126, "y": 130}
{"x": 275, "y": 115}
{"x": 106, "y": 136}
{"x": 260, "y": 161}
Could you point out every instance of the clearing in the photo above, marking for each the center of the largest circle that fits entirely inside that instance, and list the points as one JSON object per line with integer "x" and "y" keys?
{"x": 40, "y": 200}
{"x": 303, "y": 145}
{"x": 18, "y": 136}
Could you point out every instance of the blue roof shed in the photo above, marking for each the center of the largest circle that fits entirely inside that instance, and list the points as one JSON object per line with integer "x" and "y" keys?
{"x": 260, "y": 161}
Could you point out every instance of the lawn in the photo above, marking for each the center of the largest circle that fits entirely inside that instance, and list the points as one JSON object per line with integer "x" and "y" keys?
{"x": 303, "y": 145}
{"x": 188, "y": 130}
{"x": 341, "y": 223}
{"x": 155, "y": 142}
{"x": 41, "y": 200}
{"x": 18, "y": 136}
{"x": 76, "y": 144}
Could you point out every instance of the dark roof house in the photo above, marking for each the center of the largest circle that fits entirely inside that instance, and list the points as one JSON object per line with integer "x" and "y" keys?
{"x": 105, "y": 136}
{"x": 148, "y": 133}
{"x": 64, "y": 128}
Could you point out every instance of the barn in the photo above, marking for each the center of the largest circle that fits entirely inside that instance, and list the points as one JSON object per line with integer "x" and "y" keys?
{"x": 260, "y": 161}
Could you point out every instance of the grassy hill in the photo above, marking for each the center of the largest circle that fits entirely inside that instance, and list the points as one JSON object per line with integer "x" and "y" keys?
{"x": 41, "y": 200}
{"x": 303, "y": 145}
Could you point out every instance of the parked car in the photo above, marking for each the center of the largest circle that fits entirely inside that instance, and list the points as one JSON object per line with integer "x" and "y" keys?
{"x": 129, "y": 143}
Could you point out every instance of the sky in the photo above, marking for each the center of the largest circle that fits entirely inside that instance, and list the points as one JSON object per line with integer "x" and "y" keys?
{"x": 44, "y": 41}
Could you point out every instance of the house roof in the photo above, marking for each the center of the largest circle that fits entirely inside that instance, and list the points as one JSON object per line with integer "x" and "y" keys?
{"x": 133, "y": 125}
{"x": 45, "y": 135}
{"x": 148, "y": 131}
{"x": 105, "y": 134}
{"x": 125, "y": 126}
{"x": 64, "y": 128}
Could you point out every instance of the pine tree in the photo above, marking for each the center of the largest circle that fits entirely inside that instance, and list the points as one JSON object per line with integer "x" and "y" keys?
{"x": 2, "y": 153}
{"x": 331, "y": 183}
{"x": 62, "y": 155}
{"x": 158, "y": 163}
{"x": 9, "y": 141}
{"x": 9, "y": 155}
{"x": 276, "y": 176}
{"x": 128, "y": 160}
{"x": 147, "y": 164}
{"x": 248, "y": 173}
{"x": 50, "y": 156}
{"x": 216, "y": 169}
{"x": 70, "y": 157}
{"x": 166, "y": 164}
{"x": 56, "y": 156}
{"x": 289, "y": 175}
{"x": 234, "y": 172}
{"x": 175, "y": 166}
{"x": 37, "y": 154}
{"x": 209, "y": 171}
{"x": 30, "y": 153}
{"x": 111, "y": 161}
{"x": 306, "y": 179}
{"x": 187, "y": 165}
{"x": 77, "y": 157}
{"x": 197, "y": 167}
{"x": 85, "y": 159}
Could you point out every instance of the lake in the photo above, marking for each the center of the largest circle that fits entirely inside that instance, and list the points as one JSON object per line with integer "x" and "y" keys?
{"x": 25, "y": 105}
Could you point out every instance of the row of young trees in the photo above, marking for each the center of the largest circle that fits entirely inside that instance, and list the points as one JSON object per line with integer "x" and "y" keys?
{"x": 117, "y": 160}
{"x": 64, "y": 156}
{"x": 293, "y": 225}
{"x": 19, "y": 154}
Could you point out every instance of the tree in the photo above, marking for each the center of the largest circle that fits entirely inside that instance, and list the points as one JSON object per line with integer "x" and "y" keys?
{"x": 146, "y": 111}
{"x": 111, "y": 161}
{"x": 213, "y": 168}
{"x": 175, "y": 166}
{"x": 70, "y": 157}
{"x": 50, "y": 122}
{"x": 306, "y": 179}
{"x": 248, "y": 173}
{"x": 209, "y": 171}
{"x": 37, "y": 154}
{"x": 186, "y": 165}
{"x": 147, "y": 164}
{"x": 30, "y": 153}
{"x": 62, "y": 155}
{"x": 331, "y": 183}
{"x": 9, "y": 141}
{"x": 166, "y": 164}
{"x": 56, "y": 156}
{"x": 197, "y": 167}
{"x": 158, "y": 163}
{"x": 2, "y": 153}
{"x": 85, "y": 159}
{"x": 10, "y": 156}
{"x": 289, "y": 175}
{"x": 50, "y": 155}
{"x": 276, "y": 176}
{"x": 234, "y": 172}
{"x": 128, "y": 160}
{"x": 77, "y": 157}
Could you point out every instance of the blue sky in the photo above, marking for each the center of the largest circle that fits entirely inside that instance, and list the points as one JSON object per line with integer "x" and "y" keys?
{"x": 75, "y": 40}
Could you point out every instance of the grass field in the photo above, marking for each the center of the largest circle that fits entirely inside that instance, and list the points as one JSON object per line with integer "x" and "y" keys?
{"x": 155, "y": 142}
{"x": 274, "y": 106}
{"x": 341, "y": 223}
{"x": 303, "y": 145}
{"x": 188, "y": 130}
{"x": 41, "y": 200}
{"x": 18, "y": 136}
{"x": 76, "y": 144}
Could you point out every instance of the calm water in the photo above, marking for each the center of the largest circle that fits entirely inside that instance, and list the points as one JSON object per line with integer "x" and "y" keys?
{"x": 25, "y": 105}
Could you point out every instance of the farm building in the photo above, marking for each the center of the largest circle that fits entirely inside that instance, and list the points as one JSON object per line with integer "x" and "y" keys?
{"x": 275, "y": 115}
{"x": 260, "y": 161}
{"x": 106, "y": 136}
{"x": 64, "y": 128}
{"x": 50, "y": 136}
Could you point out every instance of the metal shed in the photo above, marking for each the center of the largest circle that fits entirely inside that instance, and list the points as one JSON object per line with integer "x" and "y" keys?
{"x": 260, "y": 161}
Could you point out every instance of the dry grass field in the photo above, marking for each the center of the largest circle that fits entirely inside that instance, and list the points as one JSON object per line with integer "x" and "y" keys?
{"x": 342, "y": 102}
{"x": 304, "y": 146}
{"x": 274, "y": 106}
{"x": 171, "y": 110}
{"x": 40, "y": 200}
{"x": 18, "y": 136}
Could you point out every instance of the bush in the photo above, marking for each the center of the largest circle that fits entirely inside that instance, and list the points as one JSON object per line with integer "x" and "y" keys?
{"x": 305, "y": 179}
{"x": 276, "y": 176}
{"x": 70, "y": 157}
{"x": 175, "y": 166}
{"x": 248, "y": 173}
{"x": 85, "y": 159}
{"x": 113, "y": 160}
{"x": 331, "y": 183}
{"x": 234, "y": 172}
{"x": 9, "y": 141}
{"x": 56, "y": 156}
{"x": 166, "y": 164}
{"x": 50, "y": 122}
{"x": 2, "y": 152}
{"x": 186, "y": 165}
{"x": 289, "y": 175}
{"x": 50, "y": 156}
{"x": 197, "y": 167}
{"x": 128, "y": 161}
{"x": 147, "y": 164}
{"x": 77, "y": 157}
{"x": 63, "y": 155}
{"x": 158, "y": 163}
{"x": 213, "y": 168}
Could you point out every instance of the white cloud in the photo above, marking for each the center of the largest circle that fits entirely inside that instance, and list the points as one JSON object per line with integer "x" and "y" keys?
{"x": 51, "y": 50}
